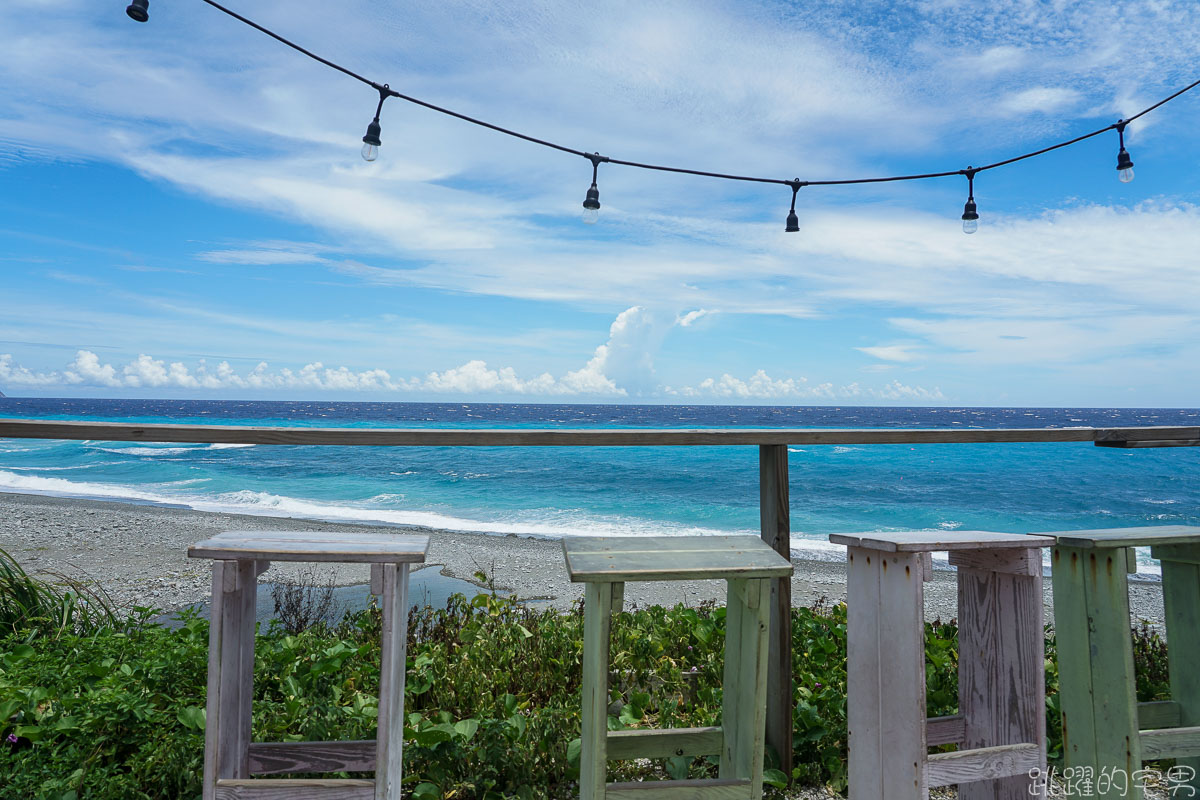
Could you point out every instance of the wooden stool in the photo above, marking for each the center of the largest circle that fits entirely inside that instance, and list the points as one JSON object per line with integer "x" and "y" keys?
{"x": 747, "y": 564}
{"x": 1104, "y": 727}
{"x": 1000, "y": 729}
{"x": 229, "y": 756}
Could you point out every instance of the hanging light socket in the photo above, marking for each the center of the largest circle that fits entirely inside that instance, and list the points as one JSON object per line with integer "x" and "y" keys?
{"x": 371, "y": 142}
{"x": 970, "y": 216}
{"x": 591, "y": 201}
{"x": 1124, "y": 162}
{"x": 793, "y": 222}
{"x": 138, "y": 10}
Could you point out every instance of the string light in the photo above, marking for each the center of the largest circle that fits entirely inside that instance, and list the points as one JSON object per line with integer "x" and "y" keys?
{"x": 793, "y": 222}
{"x": 1124, "y": 162}
{"x": 970, "y": 215}
{"x": 138, "y": 10}
{"x": 591, "y": 202}
{"x": 371, "y": 142}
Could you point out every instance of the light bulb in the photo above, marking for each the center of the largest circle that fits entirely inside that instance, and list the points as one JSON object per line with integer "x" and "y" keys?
{"x": 591, "y": 215}
{"x": 1125, "y": 175}
{"x": 591, "y": 205}
{"x": 370, "y": 152}
{"x": 970, "y": 225}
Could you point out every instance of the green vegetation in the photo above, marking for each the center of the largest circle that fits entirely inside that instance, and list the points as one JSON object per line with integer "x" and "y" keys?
{"x": 94, "y": 707}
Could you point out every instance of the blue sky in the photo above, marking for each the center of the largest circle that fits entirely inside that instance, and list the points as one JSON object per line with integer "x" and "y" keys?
{"x": 185, "y": 211}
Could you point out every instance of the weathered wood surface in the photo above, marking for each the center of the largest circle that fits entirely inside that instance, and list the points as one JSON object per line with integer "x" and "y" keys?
{"x": 1129, "y": 537}
{"x": 281, "y": 758}
{"x": 668, "y": 743}
{"x": 945, "y": 730}
{"x": 626, "y": 437}
{"x": 744, "y": 695}
{"x": 1158, "y": 714}
{"x": 593, "y": 755}
{"x": 775, "y": 525}
{"x": 665, "y": 558}
{"x": 393, "y": 642}
{"x": 1001, "y": 671}
{"x": 1181, "y": 606}
{"x": 295, "y": 789}
{"x": 1015, "y": 561}
{"x": 1095, "y": 662}
{"x": 986, "y": 763}
{"x": 1180, "y": 743}
{"x": 230, "y": 674}
{"x": 692, "y": 789}
{"x": 936, "y": 541}
{"x": 885, "y": 666}
{"x": 316, "y": 546}
{"x": 1180, "y": 553}
{"x": 1152, "y": 443}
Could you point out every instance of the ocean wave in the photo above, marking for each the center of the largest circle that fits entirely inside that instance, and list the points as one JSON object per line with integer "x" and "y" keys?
{"x": 146, "y": 451}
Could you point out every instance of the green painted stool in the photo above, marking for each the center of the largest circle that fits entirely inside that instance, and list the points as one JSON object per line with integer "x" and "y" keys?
{"x": 1000, "y": 729}
{"x": 748, "y": 564}
{"x": 1104, "y": 727}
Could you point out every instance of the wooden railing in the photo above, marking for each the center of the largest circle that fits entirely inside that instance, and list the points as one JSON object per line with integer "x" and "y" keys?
{"x": 774, "y": 502}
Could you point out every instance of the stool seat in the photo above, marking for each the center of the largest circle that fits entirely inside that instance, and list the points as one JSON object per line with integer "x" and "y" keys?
{"x": 939, "y": 541}
{"x": 230, "y": 758}
{"x": 748, "y": 565}
{"x": 313, "y": 546}
{"x": 1129, "y": 537}
{"x": 671, "y": 558}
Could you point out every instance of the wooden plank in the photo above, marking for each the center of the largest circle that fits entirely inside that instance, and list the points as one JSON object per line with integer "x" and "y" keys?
{"x": 668, "y": 743}
{"x": 1182, "y": 553}
{"x": 1015, "y": 561}
{"x": 295, "y": 789}
{"x": 402, "y": 540}
{"x": 775, "y": 526}
{"x": 281, "y": 758}
{"x": 1180, "y": 743}
{"x": 902, "y": 676}
{"x": 597, "y": 622}
{"x": 987, "y": 763}
{"x": 530, "y": 437}
{"x": 1181, "y": 607}
{"x": 212, "y": 714}
{"x": 927, "y": 566}
{"x": 348, "y": 552}
{"x": 1129, "y": 537}
{"x": 1158, "y": 714}
{"x": 389, "y": 742}
{"x": 920, "y": 541}
{"x": 1074, "y": 660}
{"x": 864, "y": 665}
{"x": 736, "y": 641}
{"x": 752, "y": 687}
{"x": 1001, "y": 681}
{"x": 692, "y": 789}
{"x": 377, "y": 579}
{"x": 617, "y": 545}
{"x": 945, "y": 730}
{"x": 1153, "y": 443}
{"x": 248, "y": 592}
{"x": 651, "y": 565}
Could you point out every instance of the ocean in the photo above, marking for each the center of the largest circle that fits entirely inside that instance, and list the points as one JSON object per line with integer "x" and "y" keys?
{"x": 555, "y": 492}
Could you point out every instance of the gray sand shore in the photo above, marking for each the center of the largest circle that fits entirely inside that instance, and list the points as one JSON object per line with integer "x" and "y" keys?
{"x": 138, "y": 553}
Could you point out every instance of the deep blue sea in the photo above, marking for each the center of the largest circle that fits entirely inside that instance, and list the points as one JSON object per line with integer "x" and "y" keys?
{"x": 639, "y": 490}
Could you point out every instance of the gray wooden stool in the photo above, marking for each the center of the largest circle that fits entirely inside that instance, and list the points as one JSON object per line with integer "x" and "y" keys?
{"x": 1105, "y": 728}
{"x": 747, "y": 564}
{"x": 1000, "y": 729}
{"x": 229, "y": 756}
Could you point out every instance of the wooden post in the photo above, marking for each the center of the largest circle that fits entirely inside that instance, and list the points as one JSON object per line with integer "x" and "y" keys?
{"x": 775, "y": 518}
{"x": 1181, "y": 601}
{"x": 593, "y": 754}
{"x": 389, "y": 740}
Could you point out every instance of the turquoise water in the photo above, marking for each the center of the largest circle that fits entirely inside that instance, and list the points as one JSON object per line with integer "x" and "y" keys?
{"x": 638, "y": 490}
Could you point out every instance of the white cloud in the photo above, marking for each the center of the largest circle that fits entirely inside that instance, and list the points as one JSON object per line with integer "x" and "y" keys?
{"x": 891, "y": 352}
{"x": 15, "y": 375}
{"x": 1040, "y": 99}
{"x": 686, "y": 320}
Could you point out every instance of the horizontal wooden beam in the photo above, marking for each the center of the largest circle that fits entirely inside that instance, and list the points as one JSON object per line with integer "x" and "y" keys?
{"x": 530, "y": 437}
{"x": 664, "y": 743}
{"x": 281, "y": 758}
{"x": 1170, "y": 743}
{"x": 983, "y": 763}
{"x": 1151, "y": 443}
{"x": 1158, "y": 714}
{"x": 696, "y": 789}
{"x": 294, "y": 789}
{"x": 945, "y": 730}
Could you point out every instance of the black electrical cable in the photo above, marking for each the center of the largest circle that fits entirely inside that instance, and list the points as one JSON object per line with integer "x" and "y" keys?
{"x": 384, "y": 89}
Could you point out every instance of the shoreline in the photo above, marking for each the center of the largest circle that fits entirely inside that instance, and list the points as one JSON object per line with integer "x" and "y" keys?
{"x": 138, "y": 553}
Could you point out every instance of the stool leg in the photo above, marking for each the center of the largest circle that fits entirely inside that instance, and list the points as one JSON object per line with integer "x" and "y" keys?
{"x": 886, "y": 675}
{"x": 744, "y": 693}
{"x": 1181, "y": 601}
{"x": 389, "y": 740}
{"x": 230, "y": 674}
{"x": 1095, "y": 663}
{"x": 1001, "y": 678}
{"x": 597, "y": 626}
